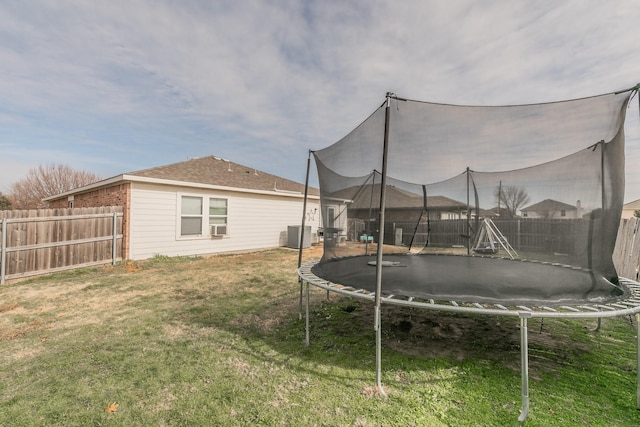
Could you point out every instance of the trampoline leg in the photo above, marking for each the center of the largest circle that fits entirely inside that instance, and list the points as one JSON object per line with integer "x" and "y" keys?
{"x": 378, "y": 329}
{"x": 300, "y": 281}
{"x": 597, "y": 328}
{"x": 524, "y": 368}
{"x": 306, "y": 326}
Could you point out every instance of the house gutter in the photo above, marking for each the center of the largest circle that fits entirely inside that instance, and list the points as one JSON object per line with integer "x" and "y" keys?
{"x": 141, "y": 179}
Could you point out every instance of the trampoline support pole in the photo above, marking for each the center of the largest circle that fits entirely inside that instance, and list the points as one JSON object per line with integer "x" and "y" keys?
{"x": 306, "y": 323}
{"x": 378, "y": 329}
{"x": 378, "y": 296}
{"x": 598, "y": 325}
{"x": 304, "y": 217}
{"x": 524, "y": 365}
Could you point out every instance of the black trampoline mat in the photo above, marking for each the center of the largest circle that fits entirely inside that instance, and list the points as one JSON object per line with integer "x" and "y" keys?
{"x": 469, "y": 279}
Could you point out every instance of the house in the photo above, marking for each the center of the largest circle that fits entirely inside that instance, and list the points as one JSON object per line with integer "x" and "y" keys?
{"x": 400, "y": 204}
{"x": 200, "y": 206}
{"x": 495, "y": 212}
{"x": 629, "y": 209}
{"x": 552, "y": 209}
{"x": 351, "y": 213}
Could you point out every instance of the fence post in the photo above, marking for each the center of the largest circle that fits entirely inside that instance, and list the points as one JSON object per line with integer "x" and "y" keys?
{"x": 3, "y": 252}
{"x": 114, "y": 230}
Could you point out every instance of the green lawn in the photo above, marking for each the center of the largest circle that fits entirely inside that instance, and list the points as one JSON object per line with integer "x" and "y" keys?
{"x": 217, "y": 341}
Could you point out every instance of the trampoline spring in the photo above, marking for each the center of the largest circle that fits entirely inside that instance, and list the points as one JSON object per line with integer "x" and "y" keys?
{"x": 618, "y": 305}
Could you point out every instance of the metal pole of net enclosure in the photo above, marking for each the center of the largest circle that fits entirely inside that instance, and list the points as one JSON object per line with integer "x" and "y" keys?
{"x": 383, "y": 194}
{"x": 304, "y": 216}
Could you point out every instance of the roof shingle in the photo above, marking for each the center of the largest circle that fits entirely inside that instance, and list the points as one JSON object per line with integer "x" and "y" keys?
{"x": 213, "y": 170}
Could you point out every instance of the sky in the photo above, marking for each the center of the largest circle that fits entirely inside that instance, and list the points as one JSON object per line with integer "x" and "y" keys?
{"x": 116, "y": 86}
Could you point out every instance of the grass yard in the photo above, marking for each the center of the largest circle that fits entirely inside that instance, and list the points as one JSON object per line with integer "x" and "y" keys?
{"x": 217, "y": 342}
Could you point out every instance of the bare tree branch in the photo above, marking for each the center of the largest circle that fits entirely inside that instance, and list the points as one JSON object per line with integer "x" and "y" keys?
{"x": 45, "y": 181}
{"x": 512, "y": 198}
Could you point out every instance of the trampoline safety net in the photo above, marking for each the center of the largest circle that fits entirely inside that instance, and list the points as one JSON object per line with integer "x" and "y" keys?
{"x": 516, "y": 204}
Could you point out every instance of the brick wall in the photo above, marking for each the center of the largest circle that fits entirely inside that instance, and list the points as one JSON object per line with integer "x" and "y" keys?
{"x": 116, "y": 195}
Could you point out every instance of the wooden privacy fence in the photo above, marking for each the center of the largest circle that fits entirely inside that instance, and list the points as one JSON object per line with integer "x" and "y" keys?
{"x": 49, "y": 240}
{"x": 556, "y": 235}
{"x": 626, "y": 256}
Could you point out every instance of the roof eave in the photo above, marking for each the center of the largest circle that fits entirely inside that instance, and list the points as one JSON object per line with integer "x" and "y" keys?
{"x": 148, "y": 180}
{"x": 84, "y": 189}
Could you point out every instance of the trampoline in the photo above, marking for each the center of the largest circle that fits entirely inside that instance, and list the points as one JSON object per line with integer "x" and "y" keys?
{"x": 402, "y": 227}
{"x": 492, "y": 280}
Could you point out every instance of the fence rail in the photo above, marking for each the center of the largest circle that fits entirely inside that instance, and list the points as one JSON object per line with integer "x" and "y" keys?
{"x": 50, "y": 240}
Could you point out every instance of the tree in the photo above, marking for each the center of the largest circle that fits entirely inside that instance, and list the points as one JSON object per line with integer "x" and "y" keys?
{"x": 636, "y": 213}
{"x": 5, "y": 203}
{"x": 45, "y": 181}
{"x": 511, "y": 198}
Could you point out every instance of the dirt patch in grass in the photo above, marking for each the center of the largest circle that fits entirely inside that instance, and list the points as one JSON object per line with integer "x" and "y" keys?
{"x": 7, "y": 307}
{"x": 425, "y": 333}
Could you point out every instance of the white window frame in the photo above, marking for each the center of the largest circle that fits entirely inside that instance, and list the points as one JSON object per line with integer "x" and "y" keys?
{"x": 216, "y": 228}
{"x": 207, "y": 230}
{"x": 182, "y": 215}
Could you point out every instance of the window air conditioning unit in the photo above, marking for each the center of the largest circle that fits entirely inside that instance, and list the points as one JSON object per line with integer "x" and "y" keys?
{"x": 218, "y": 230}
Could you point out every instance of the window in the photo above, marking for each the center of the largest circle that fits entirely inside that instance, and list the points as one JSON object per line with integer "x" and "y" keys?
{"x": 563, "y": 213}
{"x": 191, "y": 216}
{"x": 196, "y": 221}
{"x": 218, "y": 216}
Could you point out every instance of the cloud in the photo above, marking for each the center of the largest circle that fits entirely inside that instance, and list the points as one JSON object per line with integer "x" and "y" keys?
{"x": 129, "y": 85}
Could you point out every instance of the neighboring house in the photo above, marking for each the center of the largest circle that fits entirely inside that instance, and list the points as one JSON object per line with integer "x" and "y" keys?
{"x": 629, "y": 209}
{"x": 495, "y": 213}
{"x": 400, "y": 205}
{"x": 336, "y": 224}
{"x": 200, "y": 206}
{"x": 552, "y": 209}
{"x": 352, "y": 213}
